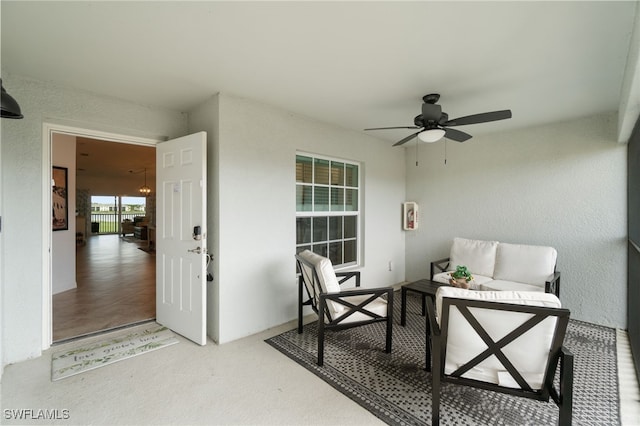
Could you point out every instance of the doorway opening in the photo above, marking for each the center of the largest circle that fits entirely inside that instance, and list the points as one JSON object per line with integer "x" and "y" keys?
{"x": 101, "y": 274}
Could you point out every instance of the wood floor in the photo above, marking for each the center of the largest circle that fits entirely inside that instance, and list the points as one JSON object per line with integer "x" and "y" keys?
{"x": 116, "y": 287}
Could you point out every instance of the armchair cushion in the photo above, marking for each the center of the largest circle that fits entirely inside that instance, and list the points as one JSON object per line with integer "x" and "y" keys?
{"x": 524, "y": 263}
{"x": 326, "y": 277}
{"x": 464, "y": 343}
{"x": 477, "y": 255}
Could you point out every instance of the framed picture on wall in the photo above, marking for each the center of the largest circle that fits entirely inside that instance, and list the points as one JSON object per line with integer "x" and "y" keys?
{"x": 60, "y": 199}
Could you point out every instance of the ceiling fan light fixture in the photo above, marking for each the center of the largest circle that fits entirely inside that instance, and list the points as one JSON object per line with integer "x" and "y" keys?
{"x": 431, "y": 135}
{"x": 9, "y": 107}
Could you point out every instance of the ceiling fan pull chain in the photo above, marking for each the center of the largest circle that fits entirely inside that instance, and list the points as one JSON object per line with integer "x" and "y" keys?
{"x": 416, "y": 152}
{"x": 445, "y": 152}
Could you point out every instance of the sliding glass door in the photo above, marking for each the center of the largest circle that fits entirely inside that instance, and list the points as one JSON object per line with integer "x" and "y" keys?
{"x": 109, "y": 212}
{"x": 634, "y": 244}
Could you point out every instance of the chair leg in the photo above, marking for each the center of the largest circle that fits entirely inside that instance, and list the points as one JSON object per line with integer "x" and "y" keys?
{"x": 320, "y": 341}
{"x": 389, "y": 323}
{"x": 435, "y": 399}
{"x": 300, "y": 306}
{"x": 435, "y": 385}
{"x": 565, "y": 404}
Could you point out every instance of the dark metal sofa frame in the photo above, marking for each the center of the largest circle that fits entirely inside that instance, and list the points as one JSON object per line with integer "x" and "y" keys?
{"x": 317, "y": 299}
{"x": 558, "y": 354}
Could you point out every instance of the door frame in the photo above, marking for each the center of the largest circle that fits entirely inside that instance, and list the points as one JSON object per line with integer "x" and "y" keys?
{"x": 48, "y": 129}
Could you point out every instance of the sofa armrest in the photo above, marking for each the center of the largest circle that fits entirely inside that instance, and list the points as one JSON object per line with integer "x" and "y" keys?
{"x": 441, "y": 264}
{"x": 552, "y": 284}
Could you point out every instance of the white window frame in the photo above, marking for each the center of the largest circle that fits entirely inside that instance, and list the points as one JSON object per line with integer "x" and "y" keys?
{"x": 358, "y": 213}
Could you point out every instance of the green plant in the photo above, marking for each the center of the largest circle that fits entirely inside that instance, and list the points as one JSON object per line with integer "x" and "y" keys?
{"x": 462, "y": 272}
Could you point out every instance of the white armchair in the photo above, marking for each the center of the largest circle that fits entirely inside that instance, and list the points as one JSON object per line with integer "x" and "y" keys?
{"x": 339, "y": 309}
{"x": 504, "y": 341}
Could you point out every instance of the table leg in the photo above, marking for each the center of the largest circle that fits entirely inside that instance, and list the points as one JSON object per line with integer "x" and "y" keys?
{"x": 403, "y": 308}
{"x": 427, "y": 346}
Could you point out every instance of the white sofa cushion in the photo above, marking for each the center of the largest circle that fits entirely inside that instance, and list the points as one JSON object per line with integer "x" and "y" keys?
{"x": 477, "y": 255}
{"x": 501, "y": 285}
{"x": 524, "y": 263}
{"x": 463, "y": 343}
{"x": 326, "y": 276}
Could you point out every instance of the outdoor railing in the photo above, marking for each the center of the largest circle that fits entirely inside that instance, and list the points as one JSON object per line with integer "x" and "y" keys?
{"x": 109, "y": 223}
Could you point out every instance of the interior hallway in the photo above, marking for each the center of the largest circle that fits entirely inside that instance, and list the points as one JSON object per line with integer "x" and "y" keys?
{"x": 116, "y": 286}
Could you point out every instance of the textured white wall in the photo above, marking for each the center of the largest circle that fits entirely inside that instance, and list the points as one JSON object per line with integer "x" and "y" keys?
{"x": 562, "y": 185}
{"x": 63, "y": 242}
{"x": 256, "y": 189}
{"x": 22, "y": 191}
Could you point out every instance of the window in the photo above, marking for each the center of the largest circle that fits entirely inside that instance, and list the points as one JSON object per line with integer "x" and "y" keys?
{"x": 328, "y": 208}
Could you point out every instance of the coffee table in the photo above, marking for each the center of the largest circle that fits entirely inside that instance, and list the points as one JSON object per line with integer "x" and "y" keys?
{"x": 425, "y": 288}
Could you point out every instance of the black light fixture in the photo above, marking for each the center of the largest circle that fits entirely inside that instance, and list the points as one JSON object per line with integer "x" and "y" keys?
{"x": 10, "y": 108}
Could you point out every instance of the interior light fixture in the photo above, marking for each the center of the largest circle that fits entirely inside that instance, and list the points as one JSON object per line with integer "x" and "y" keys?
{"x": 144, "y": 189}
{"x": 431, "y": 135}
{"x": 9, "y": 107}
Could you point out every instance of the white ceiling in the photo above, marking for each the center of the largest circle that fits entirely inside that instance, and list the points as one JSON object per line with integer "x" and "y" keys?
{"x": 355, "y": 64}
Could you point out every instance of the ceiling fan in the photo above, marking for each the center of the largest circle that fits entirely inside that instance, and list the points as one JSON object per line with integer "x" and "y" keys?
{"x": 435, "y": 124}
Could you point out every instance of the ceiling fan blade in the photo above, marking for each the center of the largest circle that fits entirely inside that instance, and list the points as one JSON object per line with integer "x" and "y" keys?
{"x": 456, "y": 135}
{"x": 431, "y": 112}
{"x": 407, "y": 139}
{"x": 480, "y": 118}
{"x": 388, "y": 128}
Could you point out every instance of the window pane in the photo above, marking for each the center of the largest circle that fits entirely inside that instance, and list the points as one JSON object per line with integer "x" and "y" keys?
{"x": 304, "y": 169}
{"x": 335, "y": 227}
{"x": 335, "y": 253}
{"x": 350, "y": 226}
{"x": 303, "y": 230}
{"x": 337, "y": 199}
{"x": 320, "y": 249}
{"x": 330, "y": 188}
{"x": 351, "y": 174}
{"x": 321, "y": 200}
{"x": 319, "y": 229}
{"x": 351, "y": 200}
{"x": 350, "y": 254}
{"x": 303, "y": 198}
{"x": 337, "y": 173}
{"x": 322, "y": 172}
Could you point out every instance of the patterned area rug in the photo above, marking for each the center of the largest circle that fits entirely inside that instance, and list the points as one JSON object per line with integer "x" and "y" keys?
{"x": 98, "y": 354}
{"x": 396, "y": 388}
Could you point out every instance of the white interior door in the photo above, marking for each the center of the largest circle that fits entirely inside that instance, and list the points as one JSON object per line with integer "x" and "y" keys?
{"x": 181, "y": 202}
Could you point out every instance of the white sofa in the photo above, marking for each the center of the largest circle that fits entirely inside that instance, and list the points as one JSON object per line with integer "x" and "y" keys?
{"x": 497, "y": 266}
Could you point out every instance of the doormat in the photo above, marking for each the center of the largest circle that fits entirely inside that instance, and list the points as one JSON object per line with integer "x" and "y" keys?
{"x": 98, "y": 354}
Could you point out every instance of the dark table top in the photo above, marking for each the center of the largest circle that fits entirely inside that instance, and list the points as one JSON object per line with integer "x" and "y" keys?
{"x": 424, "y": 286}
